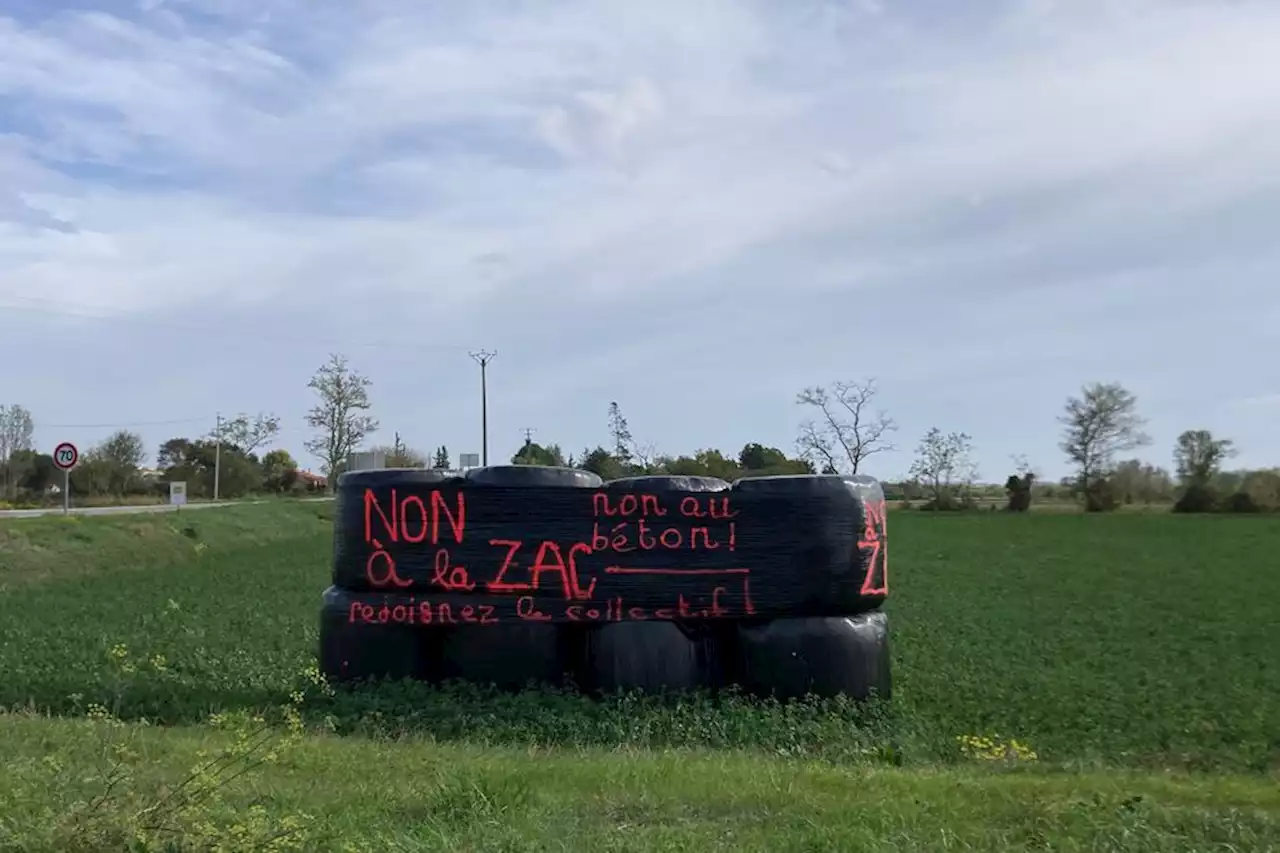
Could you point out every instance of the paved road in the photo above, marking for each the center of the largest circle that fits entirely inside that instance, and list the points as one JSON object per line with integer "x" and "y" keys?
{"x": 134, "y": 510}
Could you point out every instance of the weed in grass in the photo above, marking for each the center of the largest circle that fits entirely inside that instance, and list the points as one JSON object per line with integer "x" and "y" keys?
{"x": 995, "y": 748}
{"x": 126, "y": 812}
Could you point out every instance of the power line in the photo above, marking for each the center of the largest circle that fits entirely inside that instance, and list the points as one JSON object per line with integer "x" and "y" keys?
{"x": 483, "y": 357}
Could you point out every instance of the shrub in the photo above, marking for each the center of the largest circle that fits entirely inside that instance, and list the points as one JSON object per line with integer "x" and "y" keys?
{"x": 1100, "y": 496}
{"x": 1263, "y": 489}
{"x": 1239, "y": 502}
{"x": 1197, "y": 497}
{"x": 1019, "y": 489}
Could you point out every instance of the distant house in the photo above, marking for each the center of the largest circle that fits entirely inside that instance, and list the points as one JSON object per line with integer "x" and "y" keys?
{"x": 313, "y": 482}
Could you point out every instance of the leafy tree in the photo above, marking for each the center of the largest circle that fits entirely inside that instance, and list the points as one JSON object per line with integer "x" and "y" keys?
{"x": 279, "y": 471}
{"x": 715, "y": 464}
{"x": 535, "y": 454}
{"x": 16, "y": 430}
{"x": 1198, "y": 456}
{"x": 182, "y": 460}
{"x": 602, "y": 462}
{"x": 704, "y": 463}
{"x": 118, "y": 458}
{"x": 846, "y": 430}
{"x": 238, "y": 474}
{"x": 1099, "y": 423}
{"x": 756, "y": 457}
{"x": 92, "y": 476}
{"x": 945, "y": 469}
{"x": 340, "y": 415}
{"x": 758, "y": 460}
{"x": 441, "y": 462}
{"x": 174, "y": 452}
{"x": 248, "y": 433}
{"x": 37, "y": 471}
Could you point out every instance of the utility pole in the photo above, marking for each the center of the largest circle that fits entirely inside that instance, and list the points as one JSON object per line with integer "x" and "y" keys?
{"x": 217, "y": 455}
{"x": 483, "y": 357}
{"x": 528, "y": 435}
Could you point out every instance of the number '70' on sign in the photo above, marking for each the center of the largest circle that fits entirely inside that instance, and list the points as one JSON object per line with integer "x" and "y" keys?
{"x": 65, "y": 456}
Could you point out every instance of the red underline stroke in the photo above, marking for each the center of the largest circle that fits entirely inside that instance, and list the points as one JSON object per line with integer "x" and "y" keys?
{"x": 620, "y": 570}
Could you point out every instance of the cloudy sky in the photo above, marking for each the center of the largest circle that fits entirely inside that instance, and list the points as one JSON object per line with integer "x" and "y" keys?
{"x": 693, "y": 208}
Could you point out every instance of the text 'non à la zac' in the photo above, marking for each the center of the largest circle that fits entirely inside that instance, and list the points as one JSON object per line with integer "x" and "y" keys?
{"x": 632, "y": 522}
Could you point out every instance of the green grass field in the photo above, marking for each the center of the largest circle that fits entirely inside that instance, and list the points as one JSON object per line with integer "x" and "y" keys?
{"x": 1133, "y": 658}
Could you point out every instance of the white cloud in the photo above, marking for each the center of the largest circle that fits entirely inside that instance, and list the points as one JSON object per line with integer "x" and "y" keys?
{"x": 919, "y": 183}
{"x": 601, "y": 121}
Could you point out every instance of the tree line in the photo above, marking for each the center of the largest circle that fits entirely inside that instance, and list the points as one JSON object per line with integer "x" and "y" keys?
{"x": 843, "y": 430}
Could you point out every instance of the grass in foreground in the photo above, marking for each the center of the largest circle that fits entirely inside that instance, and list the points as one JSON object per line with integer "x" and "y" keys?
{"x": 358, "y": 794}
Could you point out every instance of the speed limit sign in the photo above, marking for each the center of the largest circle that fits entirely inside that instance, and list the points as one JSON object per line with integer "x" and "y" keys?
{"x": 65, "y": 456}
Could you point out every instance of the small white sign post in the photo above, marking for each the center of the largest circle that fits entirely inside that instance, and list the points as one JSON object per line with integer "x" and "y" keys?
{"x": 178, "y": 494}
{"x": 65, "y": 457}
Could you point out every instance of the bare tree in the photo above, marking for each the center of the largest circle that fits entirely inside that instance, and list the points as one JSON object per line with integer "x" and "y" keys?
{"x": 944, "y": 467}
{"x": 339, "y": 417}
{"x": 1100, "y": 423}
{"x": 400, "y": 455}
{"x": 246, "y": 433}
{"x": 1199, "y": 456}
{"x": 644, "y": 454}
{"x": 626, "y": 449}
{"x": 16, "y": 430}
{"x": 847, "y": 431}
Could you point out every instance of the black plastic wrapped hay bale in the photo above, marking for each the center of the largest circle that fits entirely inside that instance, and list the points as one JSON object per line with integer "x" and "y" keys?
{"x": 823, "y": 656}
{"x": 509, "y": 655}
{"x": 669, "y": 483}
{"x": 835, "y": 562}
{"x": 513, "y": 655}
{"x": 762, "y": 581}
{"x": 533, "y": 475}
{"x": 832, "y": 655}
{"x": 350, "y": 652}
{"x": 657, "y": 656}
{"x": 348, "y": 572}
